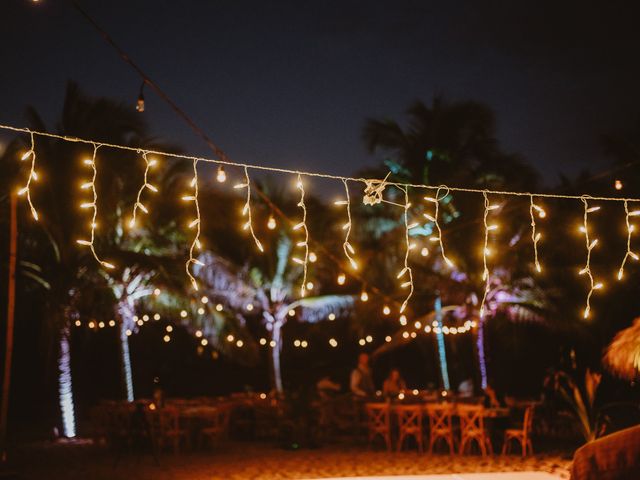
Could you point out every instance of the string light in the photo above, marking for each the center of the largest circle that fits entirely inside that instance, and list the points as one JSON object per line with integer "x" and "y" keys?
{"x": 406, "y": 271}
{"x": 590, "y": 244}
{"x": 364, "y": 296}
{"x": 271, "y": 223}
{"x": 195, "y": 223}
{"x": 305, "y": 243}
{"x": 386, "y": 310}
{"x": 33, "y": 176}
{"x": 221, "y": 176}
{"x": 535, "y": 236}
{"x": 434, "y": 218}
{"x": 485, "y": 251}
{"x": 630, "y": 229}
{"x": 333, "y": 342}
{"x": 94, "y": 206}
{"x": 145, "y": 185}
{"x": 246, "y": 210}
{"x": 341, "y": 279}
{"x": 349, "y": 251}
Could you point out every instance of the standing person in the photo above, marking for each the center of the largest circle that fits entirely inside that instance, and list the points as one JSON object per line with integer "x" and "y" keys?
{"x": 361, "y": 379}
{"x": 394, "y": 384}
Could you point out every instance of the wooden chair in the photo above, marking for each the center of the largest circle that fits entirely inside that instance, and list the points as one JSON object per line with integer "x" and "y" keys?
{"x": 379, "y": 422}
{"x": 520, "y": 435}
{"x": 216, "y": 427}
{"x": 440, "y": 425}
{"x": 472, "y": 429}
{"x": 409, "y": 424}
{"x": 166, "y": 429}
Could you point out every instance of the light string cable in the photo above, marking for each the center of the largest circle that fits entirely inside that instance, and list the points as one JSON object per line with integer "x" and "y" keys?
{"x": 302, "y": 225}
{"x": 349, "y": 251}
{"x": 535, "y": 235}
{"x": 590, "y": 244}
{"x": 316, "y": 174}
{"x": 434, "y": 218}
{"x": 246, "y": 210}
{"x": 94, "y": 206}
{"x": 630, "y": 229}
{"x": 195, "y": 223}
{"x": 145, "y": 185}
{"x": 406, "y": 271}
{"x": 33, "y": 176}
{"x": 486, "y": 277}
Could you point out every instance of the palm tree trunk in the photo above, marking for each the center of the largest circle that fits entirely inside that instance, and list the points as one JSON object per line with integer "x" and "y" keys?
{"x": 65, "y": 384}
{"x": 481, "y": 358}
{"x": 276, "y": 349}
{"x": 442, "y": 353}
{"x": 125, "y": 310}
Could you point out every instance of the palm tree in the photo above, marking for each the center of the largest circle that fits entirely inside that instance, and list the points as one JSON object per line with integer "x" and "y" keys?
{"x": 68, "y": 269}
{"x": 270, "y": 294}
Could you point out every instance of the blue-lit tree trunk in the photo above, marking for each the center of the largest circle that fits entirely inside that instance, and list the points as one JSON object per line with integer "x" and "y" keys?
{"x": 65, "y": 384}
{"x": 126, "y": 312}
{"x": 442, "y": 353}
{"x": 481, "y": 358}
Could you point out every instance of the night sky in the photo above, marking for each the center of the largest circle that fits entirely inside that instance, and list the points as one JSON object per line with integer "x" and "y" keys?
{"x": 291, "y": 83}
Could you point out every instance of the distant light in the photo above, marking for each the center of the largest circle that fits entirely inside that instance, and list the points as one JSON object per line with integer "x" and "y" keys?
{"x": 418, "y": 324}
{"x": 169, "y": 328}
{"x": 166, "y": 338}
{"x": 140, "y": 322}
{"x": 201, "y": 311}
{"x": 157, "y": 292}
{"x": 239, "y": 343}
{"x": 249, "y": 307}
{"x": 230, "y": 338}
{"x": 272, "y": 344}
{"x": 403, "y": 320}
{"x": 221, "y": 176}
{"x": 618, "y": 184}
{"x": 414, "y": 334}
{"x": 364, "y": 296}
{"x": 128, "y": 333}
{"x": 296, "y": 343}
{"x": 341, "y": 279}
{"x": 304, "y": 344}
{"x": 405, "y": 334}
{"x": 263, "y": 396}
{"x": 101, "y": 325}
{"x": 219, "y": 307}
{"x": 78, "y": 323}
{"x": 424, "y": 252}
{"x": 362, "y": 342}
{"x": 263, "y": 341}
{"x": 333, "y": 342}
{"x": 156, "y": 317}
{"x": 292, "y": 313}
{"x": 386, "y": 310}
{"x": 387, "y": 338}
{"x": 204, "y": 299}
{"x": 332, "y": 317}
{"x": 92, "y": 324}
{"x": 145, "y": 318}
{"x": 313, "y": 257}
{"x": 310, "y": 285}
{"x": 369, "y": 338}
{"x": 198, "y": 333}
{"x": 183, "y": 314}
{"x": 271, "y": 223}
{"x": 204, "y": 342}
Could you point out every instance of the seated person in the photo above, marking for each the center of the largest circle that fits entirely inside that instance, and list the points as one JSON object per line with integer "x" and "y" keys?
{"x": 361, "y": 383}
{"x": 327, "y": 388}
{"x": 394, "y": 384}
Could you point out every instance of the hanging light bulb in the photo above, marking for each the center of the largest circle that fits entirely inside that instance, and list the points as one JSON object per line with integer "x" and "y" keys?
{"x": 312, "y": 257}
{"x": 271, "y": 223}
{"x": 364, "y": 296}
{"x": 618, "y": 185}
{"x": 386, "y": 310}
{"x": 221, "y": 176}
{"x": 140, "y": 102}
{"x": 341, "y": 279}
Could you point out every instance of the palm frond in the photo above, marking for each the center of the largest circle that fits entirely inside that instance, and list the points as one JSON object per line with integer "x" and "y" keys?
{"x": 316, "y": 309}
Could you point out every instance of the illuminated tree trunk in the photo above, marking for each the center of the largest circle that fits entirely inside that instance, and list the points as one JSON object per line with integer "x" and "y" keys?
{"x": 65, "y": 384}
{"x": 276, "y": 350}
{"x": 481, "y": 358}
{"x": 126, "y": 311}
{"x": 442, "y": 353}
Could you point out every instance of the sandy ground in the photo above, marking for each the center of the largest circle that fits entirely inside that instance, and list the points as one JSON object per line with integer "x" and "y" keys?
{"x": 259, "y": 461}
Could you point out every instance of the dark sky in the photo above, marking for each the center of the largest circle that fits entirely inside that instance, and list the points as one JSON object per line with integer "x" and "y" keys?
{"x": 290, "y": 83}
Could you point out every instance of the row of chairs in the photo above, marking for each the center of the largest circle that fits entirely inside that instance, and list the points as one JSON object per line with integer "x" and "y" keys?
{"x": 441, "y": 427}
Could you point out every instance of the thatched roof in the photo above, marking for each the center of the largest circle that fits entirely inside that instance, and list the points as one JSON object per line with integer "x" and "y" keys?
{"x": 622, "y": 356}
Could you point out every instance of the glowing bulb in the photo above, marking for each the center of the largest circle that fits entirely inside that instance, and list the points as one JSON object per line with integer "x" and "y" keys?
{"x": 304, "y": 344}
{"x": 249, "y": 307}
{"x": 166, "y": 338}
{"x": 183, "y": 314}
{"x": 405, "y": 335}
{"x": 156, "y": 317}
{"x": 312, "y": 257}
{"x": 332, "y": 317}
{"x": 403, "y": 320}
{"x": 272, "y": 344}
{"x": 618, "y": 185}
{"x": 239, "y": 343}
{"x": 310, "y": 285}
{"x": 296, "y": 343}
{"x": 333, "y": 342}
{"x": 204, "y": 342}
{"x": 271, "y": 223}
{"x": 362, "y": 342}
{"x": 221, "y": 176}
{"x": 169, "y": 328}
{"x": 386, "y": 310}
{"x": 364, "y": 296}
{"x": 387, "y": 338}
{"x": 424, "y": 252}
{"x": 369, "y": 338}
{"x": 263, "y": 341}
{"x": 201, "y": 311}
{"x": 128, "y": 333}
{"x": 219, "y": 307}
{"x": 341, "y": 279}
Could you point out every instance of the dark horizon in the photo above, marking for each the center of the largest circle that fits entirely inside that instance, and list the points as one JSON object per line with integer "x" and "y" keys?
{"x": 291, "y": 86}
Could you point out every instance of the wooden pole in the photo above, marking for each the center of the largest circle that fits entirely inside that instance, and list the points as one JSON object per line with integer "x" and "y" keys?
{"x": 11, "y": 307}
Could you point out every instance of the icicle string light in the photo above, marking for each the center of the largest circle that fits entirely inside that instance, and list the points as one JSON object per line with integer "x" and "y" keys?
{"x": 94, "y": 206}
{"x": 434, "y": 218}
{"x": 349, "y": 251}
{"x": 535, "y": 236}
{"x": 590, "y": 244}
{"x": 33, "y": 176}
{"x": 305, "y": 243}
{"x": 313, "y": 174}
{"x": 406, "y": 273}
{"x": 145, "y": 185}
{"x": 630, "y": 229}
{"x": 486, "y": 277}
{"x": 246, "y": 210}
{"x": 195, "y": 223}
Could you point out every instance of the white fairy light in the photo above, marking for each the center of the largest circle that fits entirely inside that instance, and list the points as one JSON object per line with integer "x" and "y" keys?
{"x": 590, "y": 244}
{"x": 406, "y": 271}
{"x": 349, "y": 251}
{"x": 535, "y": 236}
{"x": 630, "y": 229}
{"x": 246, "y": 210}
{"x": 485, "y": 251}
{"x": 221, "y": 176}
{"x": 33, "y": 176}
{"x": 305, "y": 243}
{"x": 145, "y": 185}
{"x": 93, "y": 205}
{"x": 434, "y": 218}
{"x": 364, "y": 296}
{"x": 195, "y": 244}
